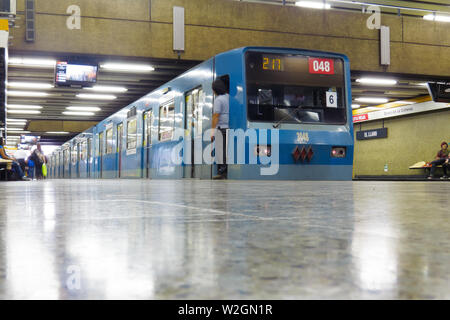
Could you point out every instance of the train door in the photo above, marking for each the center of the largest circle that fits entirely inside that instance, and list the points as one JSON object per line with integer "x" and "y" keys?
{"x": 148, "y": 119}
{"x": 67, "y": 163}
{"x": 78, "y": 165}
{"x": 100, "y": 154}
{"x": 119, "y": 148}
{"x": 194, "y": 133}
{"x": 89, "y": 157}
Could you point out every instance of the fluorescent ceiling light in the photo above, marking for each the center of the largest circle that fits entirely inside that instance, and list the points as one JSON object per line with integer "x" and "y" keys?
{"x": 30, "y": 85}
{"x": 96, "y": 96}
{"x": 57, "y": 132}
{"x": 107, "y": 89}
{"x": 313, "y": 4}
{"x": 75, "y": 108}
{"x": 356, "y": 106}
{"x": 31, "y": 62}
{"x": 405, "y": 102}
{"x": 26, "y": 94}
{"x": 377, "y": 81}
{"x": 23, "y": 111}
{"x": 20, "y": 106}
{"x": 17, "y": 131}
{"x": 436, "y": 17}
{"x": 16, "y": 123}
{"x": 16, "y": 120}
{"x": 70, "y": 113}
{"x": 124, "y": 67}
{"x": 372, "y": 100}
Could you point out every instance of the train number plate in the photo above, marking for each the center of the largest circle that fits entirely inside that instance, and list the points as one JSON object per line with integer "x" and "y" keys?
{"x": 321, "y": 66}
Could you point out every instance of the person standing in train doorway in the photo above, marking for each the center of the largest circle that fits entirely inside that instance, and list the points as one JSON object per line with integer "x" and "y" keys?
{"x": 220, "y": 121}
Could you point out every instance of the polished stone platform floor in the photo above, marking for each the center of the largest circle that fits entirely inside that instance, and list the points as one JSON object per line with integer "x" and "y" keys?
{"x": 140, "y": 239}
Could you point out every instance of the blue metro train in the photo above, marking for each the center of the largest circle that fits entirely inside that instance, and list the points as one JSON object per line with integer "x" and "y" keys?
{"x": 290, "y": 118}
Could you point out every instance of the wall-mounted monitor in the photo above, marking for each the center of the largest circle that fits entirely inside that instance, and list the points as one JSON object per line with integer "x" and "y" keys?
{"x": 68, "y": 74}
{"x": 440, "y": 91}
{"x": 8, "y": 7}
{"x": 29, "y": 139}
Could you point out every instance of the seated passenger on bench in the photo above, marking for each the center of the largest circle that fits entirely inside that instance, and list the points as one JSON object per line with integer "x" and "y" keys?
{"x": 441, "y": 159}
{"x": 15, "y": 165}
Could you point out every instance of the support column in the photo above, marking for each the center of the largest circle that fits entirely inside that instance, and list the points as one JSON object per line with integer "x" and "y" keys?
{"x": 4, "y": 36}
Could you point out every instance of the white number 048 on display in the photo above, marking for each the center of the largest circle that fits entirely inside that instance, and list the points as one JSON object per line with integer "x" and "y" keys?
{"x": 321, "y": 66}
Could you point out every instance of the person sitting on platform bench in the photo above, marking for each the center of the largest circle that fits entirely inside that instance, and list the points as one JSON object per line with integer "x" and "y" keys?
{"x": 441, "y": 158}
{"x": 15, "y": 165}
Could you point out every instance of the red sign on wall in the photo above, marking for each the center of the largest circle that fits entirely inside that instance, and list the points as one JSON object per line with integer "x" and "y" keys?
{"x": 360, "y": 117}
{"x": 321, "y": 66}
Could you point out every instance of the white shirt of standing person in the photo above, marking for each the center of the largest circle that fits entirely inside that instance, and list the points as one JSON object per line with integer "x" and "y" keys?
{"x": 222, "y": 108}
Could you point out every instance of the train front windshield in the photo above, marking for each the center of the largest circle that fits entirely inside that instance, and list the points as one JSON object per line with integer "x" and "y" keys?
{"x": 285, "y": 88}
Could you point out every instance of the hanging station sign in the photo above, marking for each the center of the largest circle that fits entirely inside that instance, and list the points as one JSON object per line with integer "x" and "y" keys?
{"x": 372, "y": 134}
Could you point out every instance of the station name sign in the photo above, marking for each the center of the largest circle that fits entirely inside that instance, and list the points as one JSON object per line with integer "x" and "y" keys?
{"x": 400, "y": 111}
{"x": 372, "y": 134}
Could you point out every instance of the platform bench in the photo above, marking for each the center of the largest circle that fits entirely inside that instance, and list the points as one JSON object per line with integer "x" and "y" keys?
{"x": 5, "y": 166}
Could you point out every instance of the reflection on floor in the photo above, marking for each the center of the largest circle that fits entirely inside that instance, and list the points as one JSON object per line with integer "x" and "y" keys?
{"x": 224, "y": 240}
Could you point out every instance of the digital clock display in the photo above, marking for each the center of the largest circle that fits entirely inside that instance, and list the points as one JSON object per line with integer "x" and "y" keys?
{"x": 272, "y": 63}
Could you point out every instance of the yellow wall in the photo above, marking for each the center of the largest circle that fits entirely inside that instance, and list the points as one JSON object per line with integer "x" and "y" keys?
{"x": 144, "y": 28}
{"x": 410, "y": 139}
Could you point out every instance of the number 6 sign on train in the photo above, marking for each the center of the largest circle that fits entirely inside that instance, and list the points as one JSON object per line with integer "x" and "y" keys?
{"x": 321, "y": 66}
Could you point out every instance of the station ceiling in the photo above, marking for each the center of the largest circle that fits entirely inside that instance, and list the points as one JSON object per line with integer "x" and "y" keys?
{"x": 57, "y": 99}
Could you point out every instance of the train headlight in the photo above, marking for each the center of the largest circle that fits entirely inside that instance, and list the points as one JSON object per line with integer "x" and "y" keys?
{"x": 263, "y": 151}
{"x": 338, "y": 152}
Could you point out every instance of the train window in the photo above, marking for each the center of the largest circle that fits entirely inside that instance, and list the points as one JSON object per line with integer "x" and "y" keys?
{"x": 132, "y": 134}
{"x": 295, "y": 89}
{"x": 166, "y": 121}
{"x": 109, "y": 141}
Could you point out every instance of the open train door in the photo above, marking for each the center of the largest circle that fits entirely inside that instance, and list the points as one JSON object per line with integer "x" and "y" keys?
{"x": 194, "y": 101}
{"x": 119, "y": 148}
{"x": 148, "y": 120}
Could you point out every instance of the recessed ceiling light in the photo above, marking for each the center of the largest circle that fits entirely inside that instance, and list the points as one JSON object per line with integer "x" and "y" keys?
{"x": 377, "y": 81}
{"x": 313, "y": 4}
{"x": 18, "y": 131}
{"x": 372, "y": 100}
{"x": 30, "y": 85}
{"x": 125, "y": 67}
{"x": 26, "y": 93}
{"x": 20, "y": 106}
{"x": 436, "y": 17}
{"x": 107, "y": 89}
{"x": 70, "y": 113}
{"x": 57, "y": 132}
{"x": 75, "y": 108}
{"x": 356, "y": 106}
{"x": 23, "y": 111}
{"x": 31, "y": 62}
{"x": 96, "y": 96}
